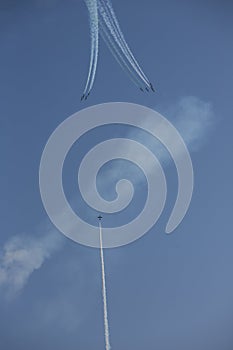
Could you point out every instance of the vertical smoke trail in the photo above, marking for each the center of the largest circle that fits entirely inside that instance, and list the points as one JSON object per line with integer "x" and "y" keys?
{"x": 104, "y": 292}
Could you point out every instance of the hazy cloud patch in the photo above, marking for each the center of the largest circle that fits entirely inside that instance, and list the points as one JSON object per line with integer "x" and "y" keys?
{"x": 194, "y": 120}
{"x": 21, "y": 256}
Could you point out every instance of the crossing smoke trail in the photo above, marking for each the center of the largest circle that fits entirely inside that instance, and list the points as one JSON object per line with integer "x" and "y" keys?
{"x": 104, "y": 21}
{"x": 104, "y": 292}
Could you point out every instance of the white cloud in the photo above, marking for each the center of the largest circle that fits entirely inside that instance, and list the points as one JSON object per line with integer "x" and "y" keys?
{"x": 194, "y": 119}
{"x": 21, "y": 256}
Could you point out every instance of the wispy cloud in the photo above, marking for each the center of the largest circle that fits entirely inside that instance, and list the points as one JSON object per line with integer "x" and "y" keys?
{"x": 21, "y": 256}
{"x": 192, "y": 117}
{"x": 194, "y": 120}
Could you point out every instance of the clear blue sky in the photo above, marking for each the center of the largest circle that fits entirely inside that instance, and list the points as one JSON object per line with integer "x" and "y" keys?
{"x": 164, "y": 292}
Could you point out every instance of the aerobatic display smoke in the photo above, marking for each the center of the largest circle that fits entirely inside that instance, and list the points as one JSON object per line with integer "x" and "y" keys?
{"x": 103, "y": 21}
{"x": 104, "y": 292}
{"x": 94, "y": 31}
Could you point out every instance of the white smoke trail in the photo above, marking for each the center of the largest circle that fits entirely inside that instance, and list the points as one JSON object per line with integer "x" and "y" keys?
{"x": 101, "y": 13}
{"x": 111, "y": 28}
{"x": 118, "y": 56}
{"x": 112, "y": 17}
{"x": 96, "y": 45}
{"x": 94, "y": 31}
{"x": 104, "y": 292}
{"x": 92, "y": 49}
{"x": 104, "y": 19}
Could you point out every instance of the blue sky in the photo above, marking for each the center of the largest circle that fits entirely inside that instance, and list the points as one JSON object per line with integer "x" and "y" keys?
{"x": 166, "y": 292}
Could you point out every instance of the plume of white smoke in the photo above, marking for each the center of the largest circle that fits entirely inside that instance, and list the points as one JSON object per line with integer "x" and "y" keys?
{"x": 21, "y": 256}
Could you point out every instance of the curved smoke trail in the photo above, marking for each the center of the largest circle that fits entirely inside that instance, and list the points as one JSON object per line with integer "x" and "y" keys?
{"x": 96, "y": 50}
{"x": 104, "y": 17}
{"x": 118, "y": 56}
{"x": 109, "y": 24}
{"x": 104, "y": 292}
{"x": 94, "y": 31}
{"x": 114, "y": 22}
{"x": 101, "y": 14}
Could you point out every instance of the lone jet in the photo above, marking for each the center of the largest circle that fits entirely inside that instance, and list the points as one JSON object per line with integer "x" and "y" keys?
{"x": 100, "y": 217}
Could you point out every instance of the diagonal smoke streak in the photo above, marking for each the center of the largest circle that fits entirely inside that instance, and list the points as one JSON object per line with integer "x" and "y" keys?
{"x": 108, "y": 9}
{"x": 106, "y": 18}
{"x": 118, "y": 55}
{"x": 104, "y": 292}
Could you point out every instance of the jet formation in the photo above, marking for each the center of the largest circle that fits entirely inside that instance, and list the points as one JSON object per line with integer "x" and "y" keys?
{"x": 103, "y": 22}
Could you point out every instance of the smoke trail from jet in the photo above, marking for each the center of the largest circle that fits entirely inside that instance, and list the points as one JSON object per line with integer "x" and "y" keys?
{"x": 96, "y": 49}
{"x": 108, "y": 10}
{"x": 104, "y": 292}
{"x": 106, "y": 17}
{"x": 118, "y": 56}
{"x": 101, "y": 14}
{"x": 94, "y": 32}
